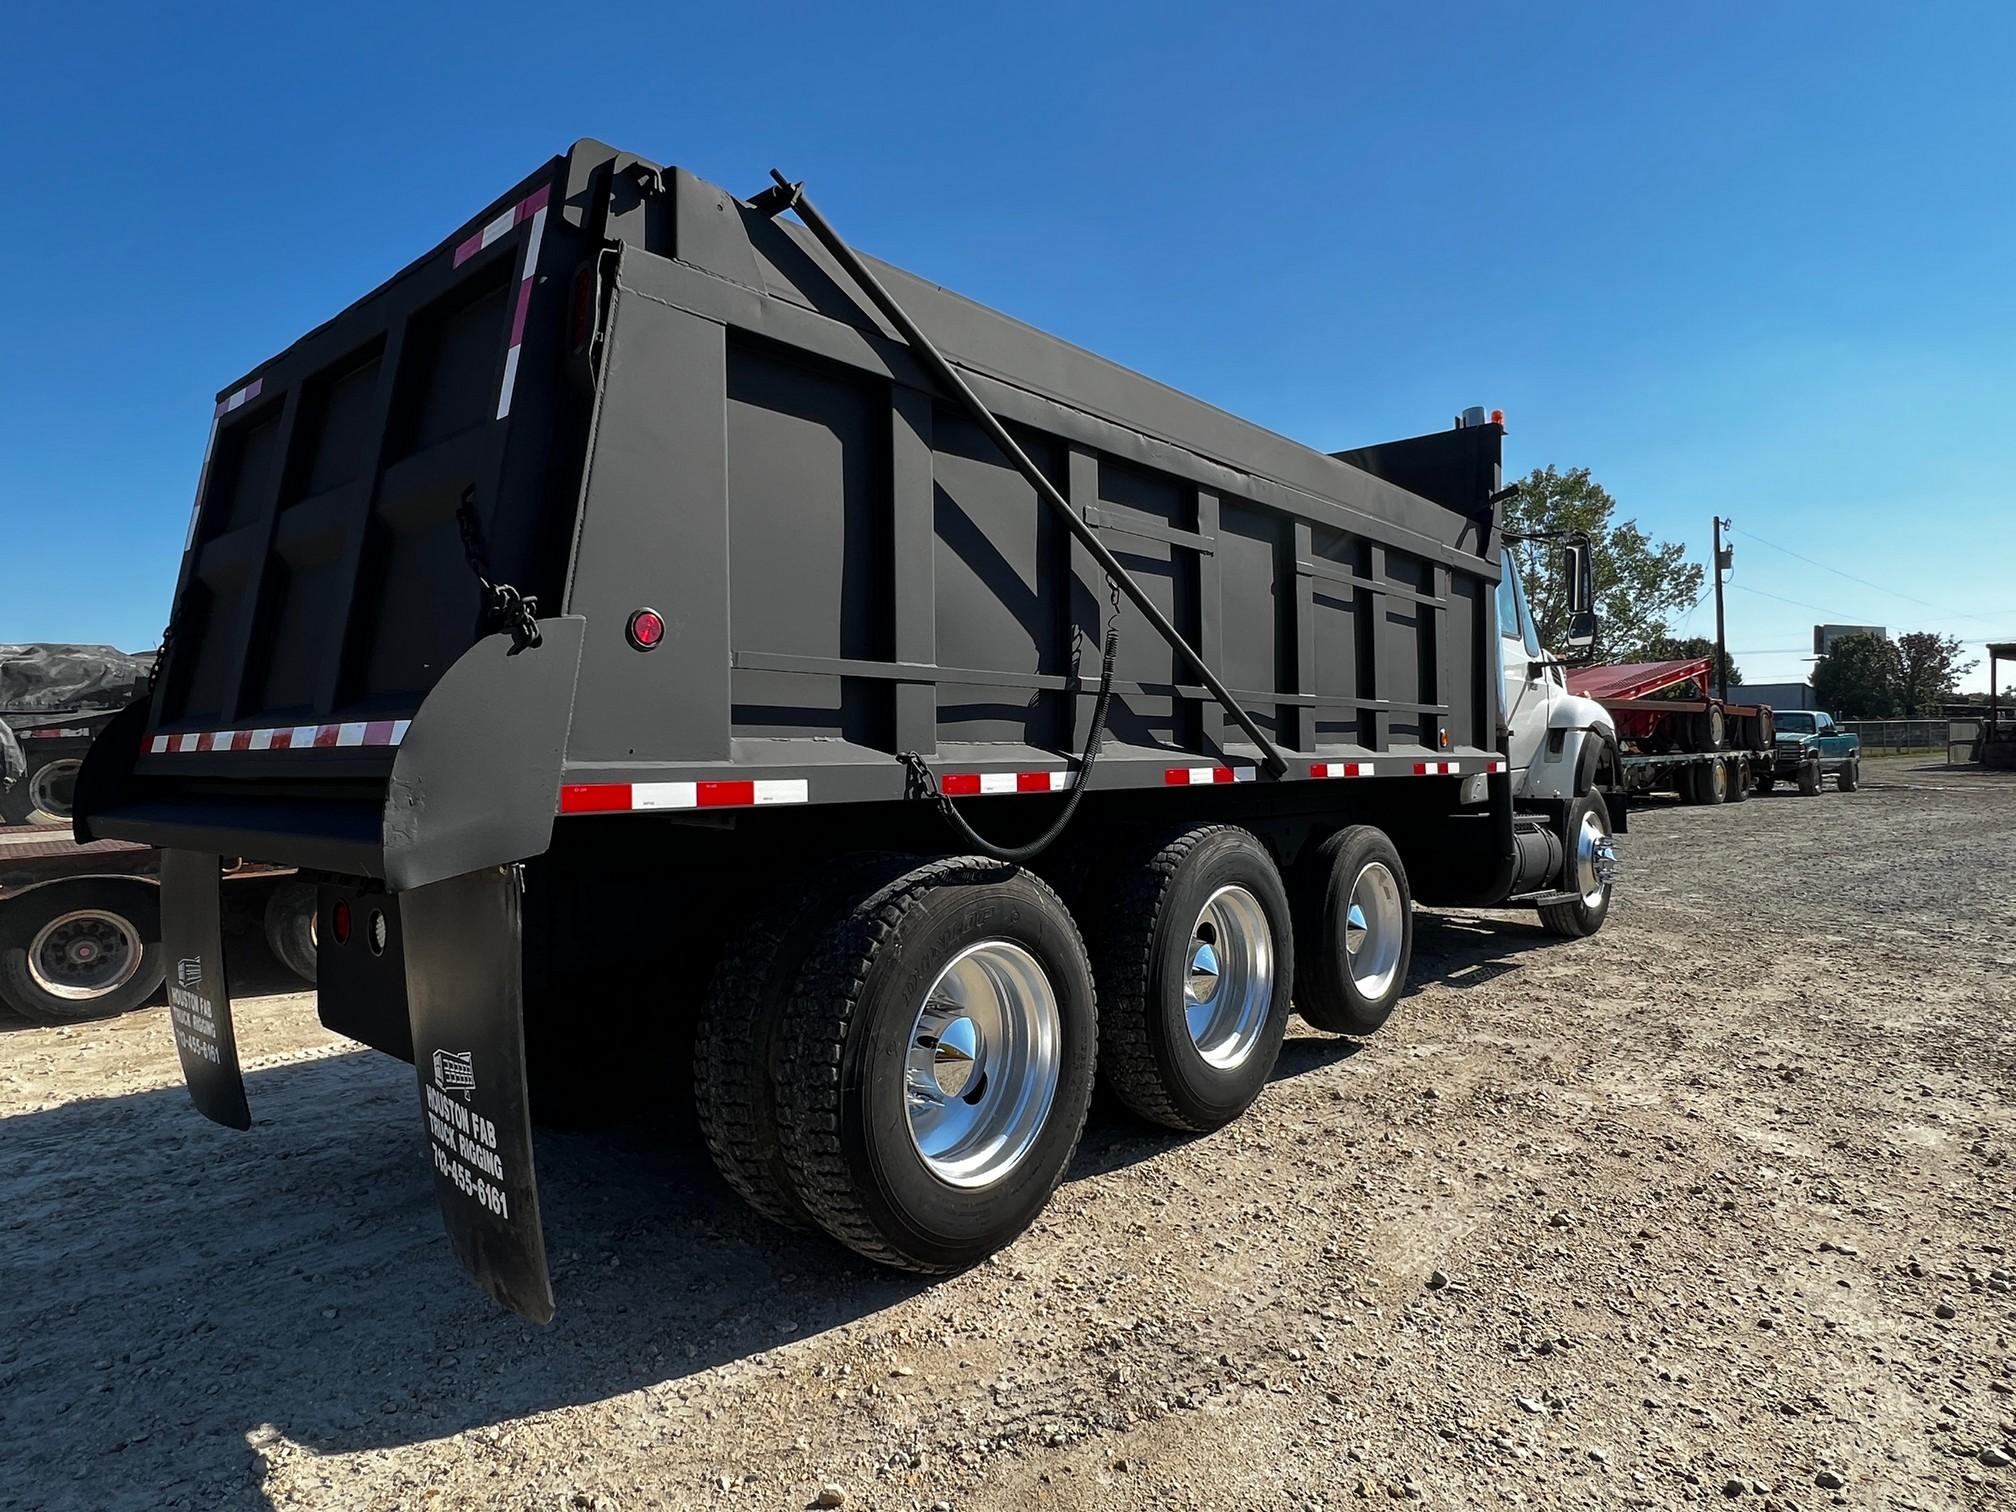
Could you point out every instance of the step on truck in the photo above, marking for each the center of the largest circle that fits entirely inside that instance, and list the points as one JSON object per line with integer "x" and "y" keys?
{"x": 668, "y": 638}
{"x": 1678, "y": 738}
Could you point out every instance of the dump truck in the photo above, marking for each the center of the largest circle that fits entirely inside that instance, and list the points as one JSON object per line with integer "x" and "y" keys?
{"x": 643, "y": 617}
{"x": 1676, "y": 736}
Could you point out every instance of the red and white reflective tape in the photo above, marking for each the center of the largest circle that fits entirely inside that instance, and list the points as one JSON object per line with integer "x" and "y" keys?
{"x": 241, "y": 398}
{"x": 321, "y": 737}
{"x": 1455, "y": 768}
{"x": 975, "y": 784}
{"x": 48, "y": 734}
{"x": 1340, "y": 769}
{"x": 642, "y": 797}
{"x": 531, "y": 208}
{"x": 1204, "y": 776}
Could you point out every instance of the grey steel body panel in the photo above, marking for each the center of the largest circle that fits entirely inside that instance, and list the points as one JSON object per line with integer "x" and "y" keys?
{"x": 845, "y": 567}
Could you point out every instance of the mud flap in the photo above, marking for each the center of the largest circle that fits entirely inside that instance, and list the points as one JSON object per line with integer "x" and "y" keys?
{"x": 465, "y": 995}
{"x": 199, "y": 1002}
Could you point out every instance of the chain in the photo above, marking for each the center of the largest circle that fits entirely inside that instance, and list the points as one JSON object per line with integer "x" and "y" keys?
{"x": 503, "y": 607}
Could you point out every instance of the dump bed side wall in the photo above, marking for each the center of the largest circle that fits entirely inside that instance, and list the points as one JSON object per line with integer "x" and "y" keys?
{"x": 848, "y": 568}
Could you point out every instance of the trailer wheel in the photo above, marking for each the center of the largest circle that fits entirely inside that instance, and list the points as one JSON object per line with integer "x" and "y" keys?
{"x": 291, "y": 927}
{"x": 43, "y": 794}
{"x": 1809, "y": 778}
{"x": 1194, "y": 948}
{"x": 1739, "y": 780}
{"x": 1588, "y": 834}
{"x": 80, "y": 950}
{"x": 937, "y": 1063}
{"x": 735, "y": 1047}
{"x": 1850, "y": 776}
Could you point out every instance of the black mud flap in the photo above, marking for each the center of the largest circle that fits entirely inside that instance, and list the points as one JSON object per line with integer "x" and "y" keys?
{"x": 466, "y": 997}
{"x": 199, "y": 1003}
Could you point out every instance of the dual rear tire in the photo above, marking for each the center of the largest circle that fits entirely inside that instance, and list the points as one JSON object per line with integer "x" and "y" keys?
{"x": 903, "y": 1054}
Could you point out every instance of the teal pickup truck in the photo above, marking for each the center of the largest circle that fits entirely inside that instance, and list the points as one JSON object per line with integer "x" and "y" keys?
{"x": 1811, "y": 746}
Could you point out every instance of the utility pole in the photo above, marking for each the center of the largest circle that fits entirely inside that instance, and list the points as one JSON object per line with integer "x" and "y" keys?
{"x": 1724, "y": 560}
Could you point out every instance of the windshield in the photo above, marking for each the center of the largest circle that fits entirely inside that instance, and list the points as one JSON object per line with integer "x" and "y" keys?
{"x": 1794, "y": 724}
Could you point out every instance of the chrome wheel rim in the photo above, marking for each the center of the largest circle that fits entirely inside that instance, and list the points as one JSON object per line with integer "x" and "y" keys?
{"x": 84, "y": 954}
{"x": 985, "y": 1057}
{"x": 1374, "y": 926}
{"x": 1590, "y": 840}
{"x": 52, "y": 789}
{"x": 1228, "y": 977}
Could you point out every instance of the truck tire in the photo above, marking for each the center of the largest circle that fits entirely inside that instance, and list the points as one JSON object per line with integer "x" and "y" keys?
{"x": 936, "y": 1066}
{"x": 75, "y": 951}
{"x": 43, "y": 794}
{"x": 1580, "y": 917}
{"x": 1850, "y": 775}
{"x": 1809, "y": 778}
{"x": 1766, "y": 780}
{"x": 1739, "y": 780}
{"x": 1354, "y": 931}
{"x": 1193, "y": 948}
{"x": 291, "y": 927}
{"x": 1710, "y": 728}
{"x": 735, "y": 1048}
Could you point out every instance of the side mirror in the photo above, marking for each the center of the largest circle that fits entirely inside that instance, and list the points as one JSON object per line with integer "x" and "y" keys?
{"x": 1578, "y": 585}
{"x": 1582, "y": 630}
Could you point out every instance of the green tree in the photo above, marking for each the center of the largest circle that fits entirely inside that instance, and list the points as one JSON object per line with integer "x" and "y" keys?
{"x": 1928, "y": 667}
{"x": 1641, "y": 584}
{"x": 1858, "y": 678}
{"x": 1665, "y": 649}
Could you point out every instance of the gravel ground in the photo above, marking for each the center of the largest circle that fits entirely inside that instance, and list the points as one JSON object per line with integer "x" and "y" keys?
{"x": 1717, "y": 1206}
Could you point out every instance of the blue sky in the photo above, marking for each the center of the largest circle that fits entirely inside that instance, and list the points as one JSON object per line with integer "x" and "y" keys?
{"x": 1736, "y": 259}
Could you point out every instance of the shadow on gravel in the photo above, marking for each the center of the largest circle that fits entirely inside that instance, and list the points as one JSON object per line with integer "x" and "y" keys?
{"x": 174, "y": 1294}
{"x": 1467, "y": 952}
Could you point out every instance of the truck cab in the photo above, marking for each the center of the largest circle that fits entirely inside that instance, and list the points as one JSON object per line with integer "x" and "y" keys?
{"x": 1555, "y": 740}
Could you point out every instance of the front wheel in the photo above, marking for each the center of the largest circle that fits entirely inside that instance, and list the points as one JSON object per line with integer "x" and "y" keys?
{"x": 935, "y": 1063}
{"x": 1591, "y": 864}
{"x": 1851, "y": 775}
{"x": 1809, "y": 778}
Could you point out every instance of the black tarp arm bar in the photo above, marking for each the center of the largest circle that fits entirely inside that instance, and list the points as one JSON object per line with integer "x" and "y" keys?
{"x": 789, "y": 196}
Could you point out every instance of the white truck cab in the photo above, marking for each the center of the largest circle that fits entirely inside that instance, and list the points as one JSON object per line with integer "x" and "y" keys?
{"x": 1548, "y": 729}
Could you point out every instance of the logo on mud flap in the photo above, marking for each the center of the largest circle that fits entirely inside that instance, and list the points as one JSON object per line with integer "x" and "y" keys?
{"x": 455, "y": 1071}
{"x": 189, "y": 971}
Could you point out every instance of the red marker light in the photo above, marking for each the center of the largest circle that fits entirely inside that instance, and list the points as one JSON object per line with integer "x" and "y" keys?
{"x": 647, "y": 628}
{"x": 339, "y": 922}
{"x": 1497, "y": 417}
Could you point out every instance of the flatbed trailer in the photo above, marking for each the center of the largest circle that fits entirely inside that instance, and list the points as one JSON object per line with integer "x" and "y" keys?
{"x": 646, "y": 619}
{"x": 1705, "y": 750}
{"x": 80, "y": 924}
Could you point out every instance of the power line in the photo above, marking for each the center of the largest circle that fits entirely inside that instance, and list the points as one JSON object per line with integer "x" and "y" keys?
{"x": 1851, "y": 577}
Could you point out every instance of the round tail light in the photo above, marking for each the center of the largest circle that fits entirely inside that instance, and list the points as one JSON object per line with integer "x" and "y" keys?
{"x": 647, "y": 629}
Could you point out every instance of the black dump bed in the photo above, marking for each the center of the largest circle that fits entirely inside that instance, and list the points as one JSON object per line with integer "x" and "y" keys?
{"x": 620, "y": 389}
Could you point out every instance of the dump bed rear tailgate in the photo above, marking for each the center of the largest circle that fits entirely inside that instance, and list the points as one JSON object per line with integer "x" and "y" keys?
{"x": 326, "y": 585}
{"x": 355, "y": 491}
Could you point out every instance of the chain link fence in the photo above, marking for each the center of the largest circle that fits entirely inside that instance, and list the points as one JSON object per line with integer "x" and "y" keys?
{"x": 1896, "y": 737}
